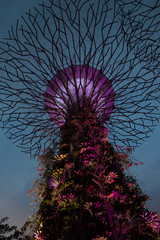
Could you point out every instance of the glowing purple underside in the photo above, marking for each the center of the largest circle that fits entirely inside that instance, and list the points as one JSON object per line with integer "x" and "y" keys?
{"x": 77, "y": 84}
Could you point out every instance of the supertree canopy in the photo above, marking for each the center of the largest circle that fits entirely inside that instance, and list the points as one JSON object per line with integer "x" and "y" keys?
{"x": 84, "y": 86}
{"x": 63, "y": 55}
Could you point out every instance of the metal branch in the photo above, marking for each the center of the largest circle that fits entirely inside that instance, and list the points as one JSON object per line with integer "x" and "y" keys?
{"x": 119, "y": 39}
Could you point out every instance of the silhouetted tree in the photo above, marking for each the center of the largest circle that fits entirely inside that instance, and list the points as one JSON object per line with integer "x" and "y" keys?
{"x": 10, "y": 233}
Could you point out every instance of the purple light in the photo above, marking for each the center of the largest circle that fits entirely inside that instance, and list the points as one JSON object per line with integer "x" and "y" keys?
{"x": 77, "y": 85}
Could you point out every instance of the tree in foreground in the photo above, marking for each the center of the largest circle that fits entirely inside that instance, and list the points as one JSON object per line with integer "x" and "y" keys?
{"x": 78, "y": 79}
{"x": 10, "y": 233}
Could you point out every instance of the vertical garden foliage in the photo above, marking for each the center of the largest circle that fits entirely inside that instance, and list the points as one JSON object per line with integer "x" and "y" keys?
{"x": 85, "y": 191}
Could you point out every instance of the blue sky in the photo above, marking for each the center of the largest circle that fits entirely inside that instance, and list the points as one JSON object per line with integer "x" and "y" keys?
{"x": 17, "y": 170}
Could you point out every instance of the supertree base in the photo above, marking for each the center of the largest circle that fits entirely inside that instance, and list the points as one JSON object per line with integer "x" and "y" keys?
{"x": 85, "y": 190}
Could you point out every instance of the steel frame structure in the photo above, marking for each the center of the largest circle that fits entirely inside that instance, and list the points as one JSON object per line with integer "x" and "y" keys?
{"x": 120, "y": 39}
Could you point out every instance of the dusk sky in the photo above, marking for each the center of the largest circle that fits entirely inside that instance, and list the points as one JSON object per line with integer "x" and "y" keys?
{"x": 17, "y": 170}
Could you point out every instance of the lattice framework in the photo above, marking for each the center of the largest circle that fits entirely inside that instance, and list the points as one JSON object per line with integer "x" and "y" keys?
{"x": 118, "y": 38}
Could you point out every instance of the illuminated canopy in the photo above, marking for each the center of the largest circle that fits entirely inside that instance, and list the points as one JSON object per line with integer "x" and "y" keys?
{"x": 79, "y": 85}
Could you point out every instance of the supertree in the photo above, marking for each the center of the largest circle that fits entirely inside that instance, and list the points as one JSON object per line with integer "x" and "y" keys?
{"x": 79, "y": 78}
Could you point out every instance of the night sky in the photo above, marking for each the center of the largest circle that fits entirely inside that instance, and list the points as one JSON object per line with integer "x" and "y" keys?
{"x": 17, "y": 170}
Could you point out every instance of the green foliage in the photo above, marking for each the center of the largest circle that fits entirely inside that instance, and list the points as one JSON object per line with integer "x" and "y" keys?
{"x": 85, "y": 193}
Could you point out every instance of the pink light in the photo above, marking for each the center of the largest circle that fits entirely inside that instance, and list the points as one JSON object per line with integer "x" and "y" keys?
{"x": 77, "y": 84}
